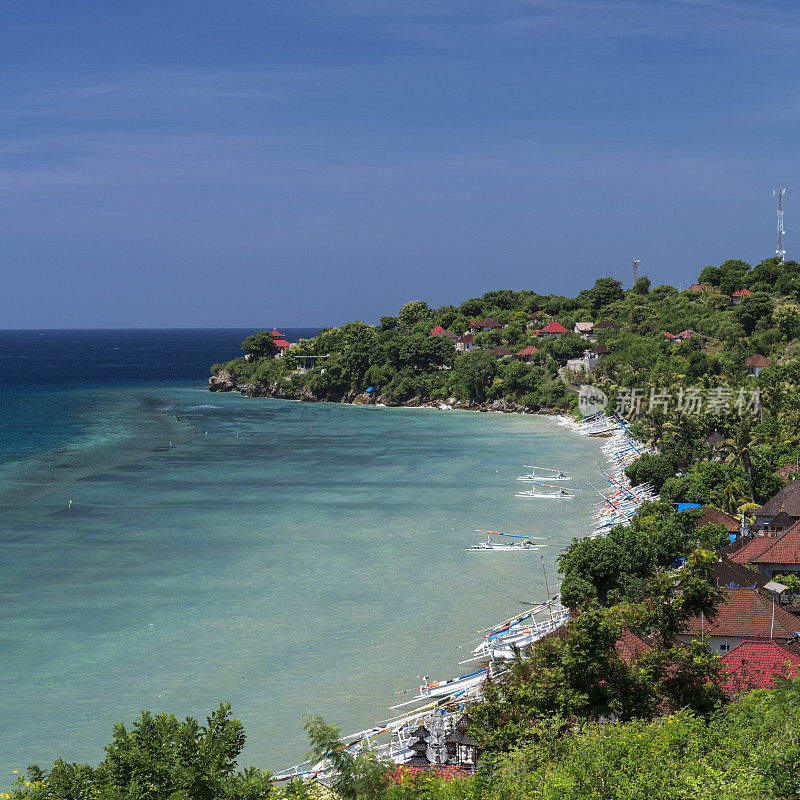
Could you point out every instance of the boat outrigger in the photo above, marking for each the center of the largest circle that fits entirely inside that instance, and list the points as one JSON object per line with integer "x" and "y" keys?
{"x": 543, "y": 474}
{"x": 558, "y": 493}
{"x": 527, "y": 543}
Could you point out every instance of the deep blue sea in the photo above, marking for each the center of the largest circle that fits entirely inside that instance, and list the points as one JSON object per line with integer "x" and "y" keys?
{"x": 287, "y": 557}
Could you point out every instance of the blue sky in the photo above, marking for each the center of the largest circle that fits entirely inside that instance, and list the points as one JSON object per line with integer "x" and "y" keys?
{"x": 262, "y": 162}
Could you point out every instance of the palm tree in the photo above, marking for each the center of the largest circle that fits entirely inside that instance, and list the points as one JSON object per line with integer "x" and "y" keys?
{"x": 729, "y": 499}
{"x": 741, "y": 446}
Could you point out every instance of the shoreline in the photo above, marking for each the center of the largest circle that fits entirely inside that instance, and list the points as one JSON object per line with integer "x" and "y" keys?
{"x": 224, "y": 382}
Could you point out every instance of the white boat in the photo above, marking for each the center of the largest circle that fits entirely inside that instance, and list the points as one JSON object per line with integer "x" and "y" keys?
{"x": 558, "y": 493}
{"x": 490, "y": 544}
{"x": 441, "y": 688}
{"x": 543, "y": 474}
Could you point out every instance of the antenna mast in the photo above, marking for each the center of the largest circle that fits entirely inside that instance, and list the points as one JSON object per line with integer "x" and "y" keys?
{"x": 779, "y": 193}
{"x": 636, "y": 262}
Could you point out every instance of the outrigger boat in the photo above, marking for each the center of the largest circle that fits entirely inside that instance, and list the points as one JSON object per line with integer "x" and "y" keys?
{"x": 510, "y": 547}
{"x": 551, "y": 474}
{"x": 558, "y": 493}
{"x": 441, "y": 688}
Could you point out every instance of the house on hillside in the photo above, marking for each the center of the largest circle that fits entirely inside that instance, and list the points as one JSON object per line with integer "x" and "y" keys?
{"x": 465, "y": 344}
{"x": 584, "y": 329}
{"x": 754, "y": 663}
{"x": 588, "y": 361}
{"x": 742, "y": 614}
{"x": 440, "y": 331}
{"x": 737, "y": 296}
{"x": 787, "y": 499}
{"x": 553, "y": 330}
{"x": 714, "y": 516}
{"x": 526, "y": 354}
{"x": 781, "y": 557}
{"x": 703, "y": 288}
{"x": 728, "y": 574}
{"x": 500, "y": 352}
{"x": 485, "y": 324}
{"x": 755, "y": 364}
{"x": 677, "y": 338}
{"x": 786, "y": 472}
{"x": 280, "y": 342}
{"x": 607, "y": 325}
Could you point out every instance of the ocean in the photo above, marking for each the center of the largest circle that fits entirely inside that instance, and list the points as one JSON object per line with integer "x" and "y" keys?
{"x": 287, "y": 557}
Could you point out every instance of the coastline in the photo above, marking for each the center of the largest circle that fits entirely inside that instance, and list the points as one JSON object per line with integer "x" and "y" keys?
{"x": 223, "y": 381}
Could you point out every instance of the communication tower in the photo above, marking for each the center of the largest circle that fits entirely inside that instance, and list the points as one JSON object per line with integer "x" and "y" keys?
{"x": 636, "y": 262}
{"x": 779, "y": 193}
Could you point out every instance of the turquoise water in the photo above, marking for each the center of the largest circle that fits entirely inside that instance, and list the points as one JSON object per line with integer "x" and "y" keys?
{"x": 287, "y": 557}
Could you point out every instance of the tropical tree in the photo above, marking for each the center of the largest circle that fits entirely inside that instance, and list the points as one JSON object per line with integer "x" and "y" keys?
{"x": 260, "y": 344}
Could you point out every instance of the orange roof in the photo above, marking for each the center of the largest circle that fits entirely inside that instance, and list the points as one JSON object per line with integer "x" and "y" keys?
{"x": 553, "y": 327}
{"x": 785, "y": 549}
{"x": 629, "y": 646}
{"x": 744, "y": 613}
{"x": 527, "y": 351}
{"x": 438, "y": 331}
{"x": 753, "y": 664}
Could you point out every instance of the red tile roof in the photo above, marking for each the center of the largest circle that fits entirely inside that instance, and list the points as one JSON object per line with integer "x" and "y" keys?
{"x": 601, "y": 350}
{"x": 753, "y": 664}
{"x": 744, "y": 613}
{"x": 757, "y": 361}
{"x": 742, "y": 293}
{"x": 277, "y": 335}
{"x": 687, "y": 334}
{"x": 755, "y": 547}
{"x": 281, "y": 344}
{"x": 553, "y": 327}
{"x": 527, "y": 351}
{"x": 438, "y": 331}
{"x": 499, "y": 352}
{"x": 785, "y": 549}
{"x": 467, "y": 338}
{"x": 703, "y": 287}
{"x": 629, "y": 646}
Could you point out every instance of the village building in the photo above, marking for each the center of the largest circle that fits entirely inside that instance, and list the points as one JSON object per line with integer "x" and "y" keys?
{"x": 526, "y": 354}
{"x": 553, "y": 330}
{"x": 728, "y": 574}
{"x": 785, "y": 472}
{"x": 786, "y": 500}
{"x": 703, "y": 288}
{"x": 465, "y": 344}
{"x": 500, "y": 352}
{"x": 782, "y": 556}
{"x": 737, "y": 296}
{"x": 607, "y": 325}
{"x": 754, "y": 663}
{"x": 742, "y": 614}
{"x": 584, "y": 329}
{"x": 280, "y": 342}
{"x": 714, "y": 516}
{"x": 755, "y": 364}
{"x": 588, "y": 361}
{"x": 485, "y": 324}
{"x": 440, "y": 331}
{"x": 677, "y": 338}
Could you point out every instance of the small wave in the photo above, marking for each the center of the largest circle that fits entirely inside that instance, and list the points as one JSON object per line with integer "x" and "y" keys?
{"x": 202, "y": 407}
